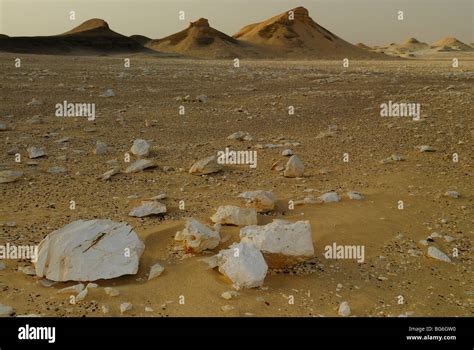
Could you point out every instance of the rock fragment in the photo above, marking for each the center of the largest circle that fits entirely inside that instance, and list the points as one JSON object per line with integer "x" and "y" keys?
{"x": 88, "y": 251}
{"x": 206, "y": 166}
{"x": 148, "y": 208}
{"x": 243, "y": 264}
{"x": 294, "y": 167}
{"x": 233, "y": 215}
{"x": 197, "y": 237}
{"x": 140, "y": 148}
{"x": 262, "y": 201}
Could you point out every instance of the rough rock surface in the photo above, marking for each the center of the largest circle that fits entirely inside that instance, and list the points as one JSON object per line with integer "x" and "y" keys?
{"x": 88, "y": 251}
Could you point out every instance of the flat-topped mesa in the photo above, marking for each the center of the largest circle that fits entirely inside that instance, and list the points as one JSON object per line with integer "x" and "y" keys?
{"x": 201, "y": 22}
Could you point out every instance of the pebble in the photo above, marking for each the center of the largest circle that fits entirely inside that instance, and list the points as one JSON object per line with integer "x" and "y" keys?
{"x": 452, "y": 194}
{"x": 437, "y": 254}
{"x": 355, "y": 195}
{"x": 227, "y": 308}
{"x": 35, "y": 152}
{"x": 124, "y": 307}
{"x": 155, "y": 271}
{"x": 229, "y": 294}
{"x": 100, "y": 148}
{"x": 344, "y": 309}
{"x": 111, "y": 292}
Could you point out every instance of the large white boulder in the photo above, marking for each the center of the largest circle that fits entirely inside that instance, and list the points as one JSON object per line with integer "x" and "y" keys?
{"x": 88, "y": 251}
{"x": 197, "y": 237}
{"x": 243, "y": 264}
{"x": 262, "y": 201}
{"x": 281, "y": 237}
{"x": 233, "y": 215}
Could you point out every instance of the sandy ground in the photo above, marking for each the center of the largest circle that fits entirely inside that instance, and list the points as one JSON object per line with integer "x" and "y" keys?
{"x": 252, "y": 98}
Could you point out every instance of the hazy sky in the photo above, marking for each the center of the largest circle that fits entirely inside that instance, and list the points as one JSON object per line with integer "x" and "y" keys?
{"x": 369, "y": 21}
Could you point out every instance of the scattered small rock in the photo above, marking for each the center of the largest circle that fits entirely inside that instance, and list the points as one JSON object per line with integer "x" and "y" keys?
{"x": 344, "y": 309}
{"x": 155, "y": 271}
{"x": 294, "y": 167}
{"x": 140, "y": 148}
{"x": 437, "y": 254}
{"x": 148, "y": 208}
{"x": 233, "y": 215}
{"x": 35, "y": 152}
{"x": 206, "y": 166}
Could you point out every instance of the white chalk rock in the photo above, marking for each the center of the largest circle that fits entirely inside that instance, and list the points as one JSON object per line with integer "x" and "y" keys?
{"x": 6, "y": 311}
{"x": 355, "y": 195}
{"x": 262, "y": 201}
{"x": 233, "y": 215}
{"x": 281, "y": 237}
{"x": 330, "y": 197}
{"x": 155, "y": 271}
{"x": 140, "y": 165}
{"x": 452, "y": 194}
{"x": 240, "y": 136}
{"x": 294, "y": 167}
{"x": 426, "y": 148}
{"x": 7, "y": 176}
{"x": 35, "y": 152}
{"x": 111, "y": 292}
{"x": 344, "y": 309}
{"x": 148, "y": 208}
{"x": 205, "y": 166}
{"x": 197, "y": 237}
{"x": 140, "y": 148}
{"x": 437, "y": 254}
{"x": 88, "y": 251}
{"x": 124, "y": 307}
{"x": 77, "y": 288}
{"x": 243, "y": 264}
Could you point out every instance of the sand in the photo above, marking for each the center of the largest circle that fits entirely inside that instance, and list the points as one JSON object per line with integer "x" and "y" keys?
{"x": 252, "y": 98}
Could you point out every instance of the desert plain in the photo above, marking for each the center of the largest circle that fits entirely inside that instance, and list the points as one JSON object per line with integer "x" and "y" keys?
{"x": 327, "y": 114}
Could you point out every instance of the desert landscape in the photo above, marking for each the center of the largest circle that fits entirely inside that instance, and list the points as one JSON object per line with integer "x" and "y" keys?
{"x": 279, "y": 171}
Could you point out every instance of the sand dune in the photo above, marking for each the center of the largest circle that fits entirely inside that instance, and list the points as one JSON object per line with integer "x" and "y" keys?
{"x": 91, "y": 37}
{"x": 450, "y": 44}
{"x": 201, "y": 40}
{"x": 299, "y": 37}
